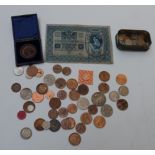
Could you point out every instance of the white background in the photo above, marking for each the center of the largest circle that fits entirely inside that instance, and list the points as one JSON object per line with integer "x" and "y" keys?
{"x": 132, "y": 129}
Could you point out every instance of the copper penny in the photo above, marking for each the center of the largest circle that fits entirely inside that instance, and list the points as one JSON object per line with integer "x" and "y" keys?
{"x": 72, "y": 84}
{"x": 54, "y": 125}
{"x": 103, "y": 87}
{"x": 74, "y": 139}
{"x": 37, "y": 98}
{"x": 60, "y": 83}
{"x": 62, "y": 94}
{"x": 32, "y": 71}
{"x": 63, "y": 112}
{"x": 122, "y": 104}
{"x": 104, "y": 76}
{"x": 74, "y": 95}
{"x": 99, "y": 121}
{"x": 16, "y": 87}
{"x": 83, "y": 89}
{"x": 40, "y": 73}
{"x": 57, "y": 68}
{"x": 68, "y": 123}
{"x": 80, "y": 128}
{"x": 55, "y": 103}
{"x": 29, "y": 106}
{"x": 66, "y": 71}
{"x": 53, "y": 114}
{"x": 92, "y": 109}
{"x": 38, "y": 124}
{"x": 121, "y": 79}
{"x": 86, "y": 118}
{"x": 42, "y": 88}
{"x": 72, "y": 108}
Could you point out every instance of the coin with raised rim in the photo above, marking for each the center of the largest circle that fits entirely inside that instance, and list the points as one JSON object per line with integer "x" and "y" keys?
{"x": 26, "y": 133}
{"x": 60, "y": 83}
{"x": 72, "y": 108}
{"x": 66, "y": 71}
{"x": 98, "y": 98}
{"x": 54, "y": 125}
{"x": 49, "y": 79}
{"x": 104, "y": 76}
{"x": 121, "y": 79}
{"x": 74, "y": 139}
{"x": 103, "y": 87}
{"x": 32, "y": 70}
{"x": 38, "y": 124}
{"x": 57, "y": 69}
{"x": 26, "y": 93}
{"x": 86, "y": 118}
{"x": 107, "y": 110}
{"x": 123, "y": 90}
{"x": 122, "y": 104}
{"x": 72, "y": 84}
{"x": 55, "y": 103}
{"x": 83, "y": 103}
{"x": 16, "y": 87}
{"x": 29, "y": 107}
{"x": 80, "y": 128}
{"x": 114, "y": 96}
{"x": 42, "y": 88}
{"x": 99, "y": 121}
{"x": 74, "y": 95}
{"x": 83, "y": 89}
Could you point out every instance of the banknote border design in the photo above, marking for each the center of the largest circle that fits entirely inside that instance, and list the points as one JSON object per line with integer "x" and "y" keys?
{"x": 54, "y": 59}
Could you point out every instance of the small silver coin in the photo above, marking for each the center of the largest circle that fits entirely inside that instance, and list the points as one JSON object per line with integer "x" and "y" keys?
{"x": 98, "y": 98}
{"x": 123, "y": 90}
{"x": 106, "y": 110}
{"x": 83, "y": 103}
{"x": 26, "y": 133}
{"x": 49, "y": 79}
{"x": 46, "y": 125}
{"x": 26, "y": 93}
{"x": 114, "y": 96}
{"x": 18, "y": 71}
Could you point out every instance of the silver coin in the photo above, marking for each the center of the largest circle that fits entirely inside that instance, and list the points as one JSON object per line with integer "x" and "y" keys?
{"x": 106, "y": 110}
{"x": 49, "y": 79}
{"x": 46, "y": 125}
{"x": 26, "y": 93}
{"x": 83, "y": 103}
{"x": 114, "y": 96}
{"x": 98, "y": 98}
{"x": 123, "y": 90}
{"x": 26, "y": 133}
{"x": 18, "y": 71}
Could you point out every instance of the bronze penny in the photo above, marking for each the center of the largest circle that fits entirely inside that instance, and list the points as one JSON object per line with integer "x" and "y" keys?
{"x": 62, "y": 94}
{"x": 121, "y": 79}
{"x": 86, "y": 118}
{"x": 63, "y": 112}
{"x": 29, "y": 107}
{"x": 54, "y": 125}
{"x": 57, "y": 69}
{"x": 55, "y": 103}
{"x": 92, "y": 109}
{"x": 32, "y": 71}
{"x": 72, "y": 84}
{"x": 74, "y": 95}
{"x": 66, "y": 71}
{"x": 104, "y": 76}
{"x": 16, "y": 87}
{"x": 103, "y": 87}
{"x": 68, "y": 123}
{"x": 60, "y": 83}
{"x": 74, "y": 139}
{"x": 99, "y": 121}
{"x": 53, "y": 114}
{"x": 38, "y": 124}
{"x": 80, "y": 128}
{"x": 72, "y": 108}
{"x": 122, "y": 104}
{"x": 42, "y": 88}
{"x": 83, "y": 89}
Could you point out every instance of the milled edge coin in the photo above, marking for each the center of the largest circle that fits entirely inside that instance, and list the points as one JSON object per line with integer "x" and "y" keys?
{"x": 26, "y": 133}
{"x": 74, "y": 139}
{"x": 18, "y": 71}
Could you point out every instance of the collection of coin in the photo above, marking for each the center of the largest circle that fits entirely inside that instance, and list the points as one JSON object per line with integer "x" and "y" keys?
{"x": 78, "y": 89}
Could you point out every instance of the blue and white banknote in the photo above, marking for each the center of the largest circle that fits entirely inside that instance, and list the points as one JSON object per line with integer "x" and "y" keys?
{"x": 78, "y": 44}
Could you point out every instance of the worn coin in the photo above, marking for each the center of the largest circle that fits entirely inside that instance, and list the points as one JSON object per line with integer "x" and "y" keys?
{"x": 16, "y": 87}
{"x": 80, "y": 128}
{"x": 49, "y": 94}
{"x": 55, "y": 103}
{"x": 60, "y": 83}
{"x": 72, "y": 84}
{"x": 49, "y": 79}
{"x": 123, "y": 90}
{"x": 21, "y": 115}
{"x": 83, "y": 89}
{"x": 62, "y": 94}
{"x": 26, "y": 93}
{"x": 104, "y": 76}
{"x": 98, "y": 98}
{"x": 42, "y": 88}
{"x": 66, "y": 71}
{"x": 63, "y": 112}
{"x": 32, "y": 70}
{"x": 121, "y": 79}
{"x": 107, "y": 110}
{"x": 103, "y": 87}
{"x": 46, "y": 125}
{"x": 18, "y": 71}
{"x": 122, "y": 104}
{"x": 53, "y": 114}
{"x": 68, "y": 123}
{"x": 83, "y": 103}
{"x": 72, "y": 108}
{"x": 57, "y": 68}
{"x": 40, "y": 73}
{"x": 74, "y": 95}
{"x": 74, "y": 139}
{"x": 86, "y": 118}
{"x": 26, "y": 133}
{"x": 114, "y": 96}
{"x": 99, "y": 121}
{"x": 54, "y": 125}
{"x": 37, "y": 98}
{"x": 38, "y": 124}
{"x": 92, "y": 109}
{"x": 29, "y": 107}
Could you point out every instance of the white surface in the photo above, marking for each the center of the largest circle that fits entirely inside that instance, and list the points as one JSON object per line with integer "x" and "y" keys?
{"x": 132, "y": 129}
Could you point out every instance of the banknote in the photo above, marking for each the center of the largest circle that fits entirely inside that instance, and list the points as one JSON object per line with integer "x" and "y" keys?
{"x": 78, "y": 44}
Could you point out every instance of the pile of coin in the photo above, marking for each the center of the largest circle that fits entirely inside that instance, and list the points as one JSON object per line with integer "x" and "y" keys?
{"x": 60, "y": 117}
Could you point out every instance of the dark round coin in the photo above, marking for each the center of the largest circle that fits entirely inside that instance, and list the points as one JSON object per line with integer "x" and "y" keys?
{"x": 68, "y": 123}
{"x": 74, "y": 95}
{"x": 55, "y": 103}
{"x": 62, "y": 94}
{"x": 53, "y": 114}
{"x": 92, "y": 109}
{"x": 29, "y": 106}
{"x": 66, "y": 71}
{"x": 16, "y": 87}
{"x": 38, "y": 124}
{"x": 103, "y": 87}
{"x": 104, "y": 76}
{"x": 54, "y": 125}
{"x": 60, "y": 83}
{"x": 83, "y": 89}
{"x": 32, "y": 70}
{"x": 74, "y": 139}
{"x": 42, "y": 88}
{"x": 63, "y": 112}
{"x": 98, "y": 98}
{"x": 86, "y": 118}
{"x": 122, "y": 104}
{"x": 57, "y": 68}
{"x": 80, "y": 128}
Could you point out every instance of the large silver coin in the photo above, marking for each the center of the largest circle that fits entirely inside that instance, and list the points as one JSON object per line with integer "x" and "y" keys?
{"x": 114, "y": 96}
{"x": 123, "y": 90}
{"x": 49, "y": 79}
{"x": 18, "y": 71}
{"x": 26, "y": 133}
{"x": 107, "y": 110}
{"x": 26, "y": 93}
{"x": 83, "y": 103}
{"x": 98, "y": 98}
